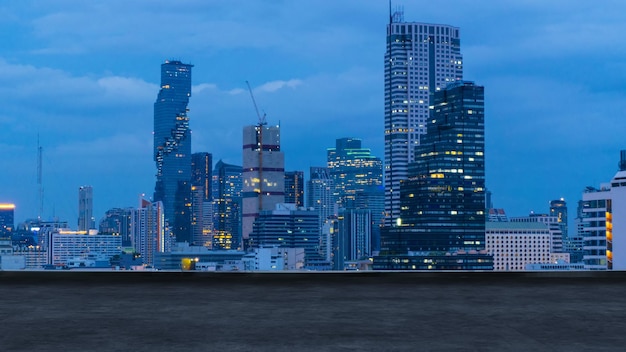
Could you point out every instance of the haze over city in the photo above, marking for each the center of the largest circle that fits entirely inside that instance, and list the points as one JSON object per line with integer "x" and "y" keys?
{"x": 83, "y": 76}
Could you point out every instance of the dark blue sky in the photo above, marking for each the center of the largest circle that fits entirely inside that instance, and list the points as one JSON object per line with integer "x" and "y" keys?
{"x": 84, "y": 76}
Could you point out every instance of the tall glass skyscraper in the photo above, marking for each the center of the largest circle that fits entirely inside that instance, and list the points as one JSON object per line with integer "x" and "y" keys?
{"x": 353, "y": 169}
{"x": 227, "y": 186}
{"x": 172, "y": 138}
{"x": 420, "y": 59}
{"x": 443, "y": 200}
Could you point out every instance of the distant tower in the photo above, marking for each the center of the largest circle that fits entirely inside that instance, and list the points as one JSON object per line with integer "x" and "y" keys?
{"x": 172, "y": 138}
{"x": 294, "y": 188}
{"x": 86, "y": 220}
{"x": 202, "y": 195}
{"x": 263, "y": 173}
{"x": 320, "y": 194}
{"x": 558, "y": 208}
{"x": 226, "y": 206}
{"x": 421, "y": 59}
{"x": 7, "y": 219}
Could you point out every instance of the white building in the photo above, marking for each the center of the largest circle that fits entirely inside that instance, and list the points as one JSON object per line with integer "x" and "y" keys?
{"x": 554, "y": 225}
{"x": 420, "y": 59}
{"x": 603, "y": 223}
{"x": 274, "y": 259}
{"x": 67, "y": 245}
{"x": 516, "y": 244}
{"x": 148, "y": 230}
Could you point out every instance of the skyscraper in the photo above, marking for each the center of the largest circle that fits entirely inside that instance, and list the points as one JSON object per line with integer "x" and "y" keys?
{"x": 148, "y": 232}
{"x": 227, "y": 187}
{"x": 294, "y": 187}
{"x": 263, "y": 173}
{"x": 420, "y": 60}
{"x": 7, "y": 219}
{"x": 320, "y": 194}
{"x": 558, "y": 208}
{"x": 117, "y": 221}
{"x": 353, "y": 170}
{"x": 443, "y": 200}
{"x": 172, "y": 137}
{"x": 202, "y": 195}
{"x": 86, "y": 220}
{"x": 201, "y": 173}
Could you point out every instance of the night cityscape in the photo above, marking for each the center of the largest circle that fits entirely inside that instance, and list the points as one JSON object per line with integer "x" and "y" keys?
{"x": 422, "y": 202}
{"x": 312, "y": 175}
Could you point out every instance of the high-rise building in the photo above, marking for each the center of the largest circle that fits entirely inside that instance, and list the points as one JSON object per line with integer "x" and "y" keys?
{"x": 354, "y": 237}
{"x": 201, "y": 173}
{"x": 558, "y": 208}
{"x": 117, "y": 221}
{"x": 552, "y": 222}
{"x": 443, "y": 200}
{"x": 420, "y": 60}
{"x": 7, "y": 219}
{"x": 263, "y": 173}
{"x": 227, "y": 187}
{"x": 320, "y": 194}
{"x": 86, "y": 221}
{"x": 604, "y": 223}
{"x": 148, "y": 231}
{"x": 181, "y": 227}
{"x": 172, "y": 137}
{"x": 294, "y": 188}
{"x": 202, "y": 196}
{"x": 353, "y": 170}
{"x": 288, "y": 227}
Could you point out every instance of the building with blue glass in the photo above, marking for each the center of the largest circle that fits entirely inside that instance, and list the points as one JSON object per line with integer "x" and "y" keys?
{"x": 443, "y": 200}
{"x": 227, "y": 186}
{"x": 172, "y": 142}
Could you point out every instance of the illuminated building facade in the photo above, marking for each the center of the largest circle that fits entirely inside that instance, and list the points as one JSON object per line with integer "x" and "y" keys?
{"x": 86, "y": 221}
{"x": 289, "y": 227}
{"x": 263, "y": 174}
{"x": 603, "y": 223}
{"x": 320, "y": 194}
{"x": 68, "y": 245}
{"x": 201, "y": 196}
{"x": 353, "y": 170}
{"x": 420, "y": 60}
{"x": 227, "y": 185}
{"x": 443, "y": 200}
{"x": 172, "y": 138}
{"x": 7, "y": 219}
{"x": 148, "y": 231}
{"x": 294, "y": 188}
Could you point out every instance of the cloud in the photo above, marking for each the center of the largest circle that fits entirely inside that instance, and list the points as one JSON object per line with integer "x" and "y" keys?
{"x": 276, "y": 85}
{"x": 201, "y": 87}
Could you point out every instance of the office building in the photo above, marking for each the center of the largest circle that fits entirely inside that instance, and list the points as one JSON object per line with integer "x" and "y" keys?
{"x": 65, "y": 246}
{"x": 263, "y": 174}
{"x": 603, "y": 223}
{"x": 148, "y": 231}
{"x": 289, "y": 227}
{"x": 354, "y": 237}
{"x": 227, "y": 186}
{"x": 353, "y": 170}
{"x": 172, "y": 141}
{"x": 7, "y": 219}
{"x": 294, "y": 188}
{"x": 117, "y": 221}
{"x": 86, "y": 221}
{"x": 443, "y": 200}
{"x": 320, "y": 194}
{"x": 558, "y": 208}
{"x": 556, "y": 236}
{"x": 420, "y": 60}
{"x": 514, "y": 245}
{"x": 202, "y": 174}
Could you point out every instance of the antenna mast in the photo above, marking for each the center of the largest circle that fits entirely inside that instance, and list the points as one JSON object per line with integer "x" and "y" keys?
{"x": 39, "y": 178}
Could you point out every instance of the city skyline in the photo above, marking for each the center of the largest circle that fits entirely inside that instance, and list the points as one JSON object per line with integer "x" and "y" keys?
{"x": 92, "y": 106}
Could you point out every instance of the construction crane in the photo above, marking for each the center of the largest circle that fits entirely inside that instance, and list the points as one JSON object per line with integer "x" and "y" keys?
{"x": 259, "y": 135}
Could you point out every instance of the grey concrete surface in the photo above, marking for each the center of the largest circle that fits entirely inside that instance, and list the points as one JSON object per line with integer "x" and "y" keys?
{"x": 69, "y": 311}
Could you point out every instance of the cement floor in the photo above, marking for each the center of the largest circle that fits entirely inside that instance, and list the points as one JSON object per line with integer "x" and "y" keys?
{"x": 311, "y": 313}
